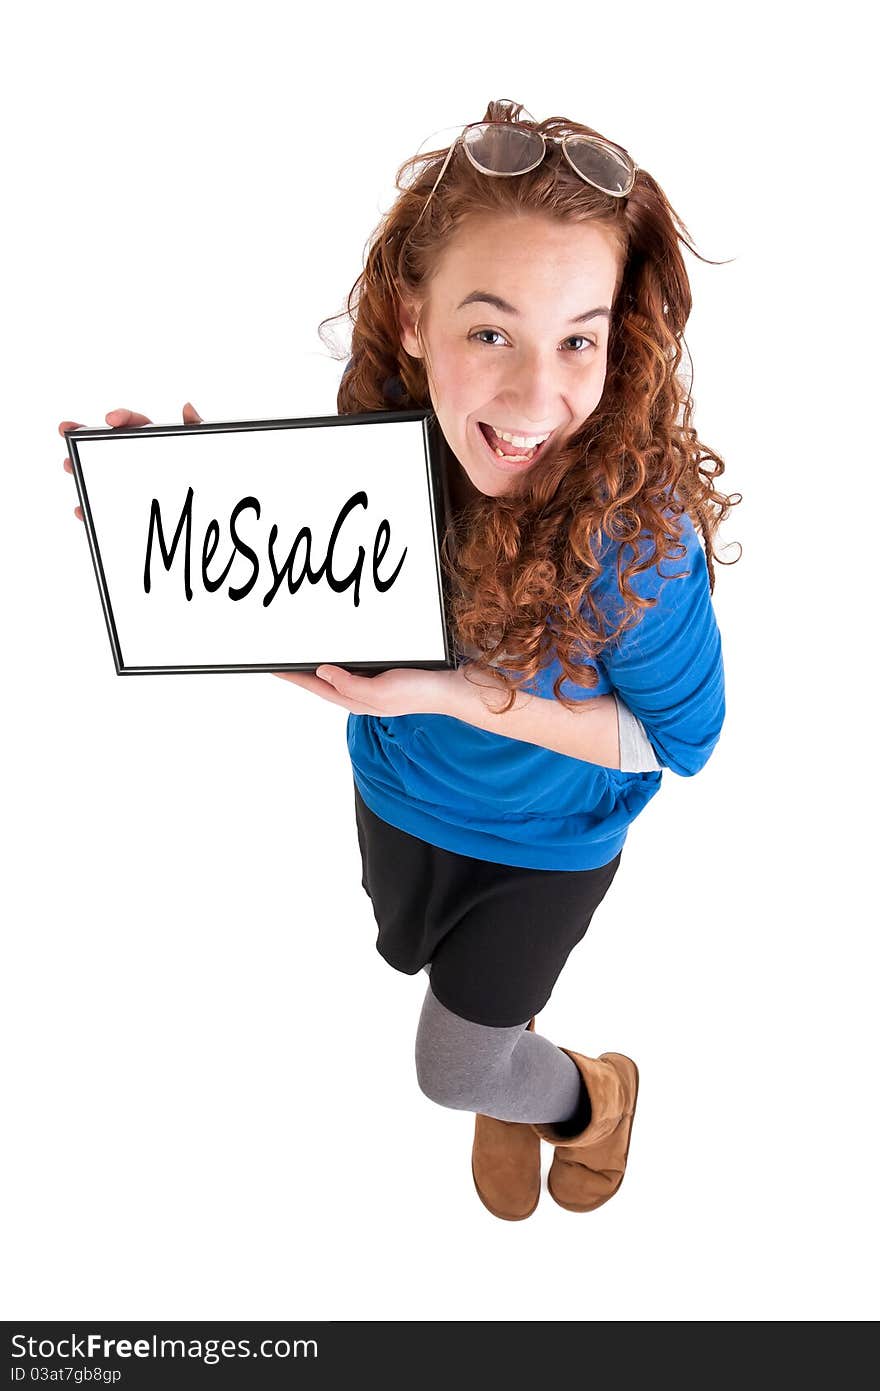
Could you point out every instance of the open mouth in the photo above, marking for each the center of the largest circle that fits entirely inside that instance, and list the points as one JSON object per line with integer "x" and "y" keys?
{"x": 513, "y": 460}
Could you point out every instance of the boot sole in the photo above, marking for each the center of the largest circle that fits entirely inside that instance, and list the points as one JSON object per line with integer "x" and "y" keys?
{"x": 505, "y": 1216}
{"x": 571, "y": 1207}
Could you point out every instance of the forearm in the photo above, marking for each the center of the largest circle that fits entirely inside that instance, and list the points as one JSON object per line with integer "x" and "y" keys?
{"x": 589, "y": 732}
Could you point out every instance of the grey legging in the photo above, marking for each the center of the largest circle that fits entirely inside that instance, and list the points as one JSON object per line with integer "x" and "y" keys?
{"x": 512, "y": 1073}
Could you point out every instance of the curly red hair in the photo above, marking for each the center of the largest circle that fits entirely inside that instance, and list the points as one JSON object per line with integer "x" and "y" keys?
{"x": 519, "y": 568}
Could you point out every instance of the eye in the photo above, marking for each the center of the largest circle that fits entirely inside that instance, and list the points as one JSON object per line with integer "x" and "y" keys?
{"x": 576, "y": 337}
{"x": 476, "y": 335}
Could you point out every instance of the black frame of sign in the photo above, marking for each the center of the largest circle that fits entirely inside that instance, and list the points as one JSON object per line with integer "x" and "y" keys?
{"x": 438, "y": 493}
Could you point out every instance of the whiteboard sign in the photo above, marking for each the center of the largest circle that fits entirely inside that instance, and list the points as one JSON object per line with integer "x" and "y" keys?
{"x": 269, "y": 545}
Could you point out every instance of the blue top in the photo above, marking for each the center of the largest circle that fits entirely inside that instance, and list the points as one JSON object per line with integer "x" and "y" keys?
{"x": 496, "y": 798}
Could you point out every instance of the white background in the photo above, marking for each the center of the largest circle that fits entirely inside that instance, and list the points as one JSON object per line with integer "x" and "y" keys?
{"x": 209, "y": 1077}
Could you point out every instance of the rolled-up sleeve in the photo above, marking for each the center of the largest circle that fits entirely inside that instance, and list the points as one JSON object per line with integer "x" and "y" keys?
{"x": 669, "y": 667}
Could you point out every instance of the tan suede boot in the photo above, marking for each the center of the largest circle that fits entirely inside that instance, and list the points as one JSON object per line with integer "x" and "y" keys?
{"x": 588, "y": 1168}
{"x": 506, "y": 1165}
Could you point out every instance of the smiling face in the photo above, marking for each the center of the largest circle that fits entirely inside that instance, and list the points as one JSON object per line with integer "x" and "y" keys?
{"x": 528, "y": 364}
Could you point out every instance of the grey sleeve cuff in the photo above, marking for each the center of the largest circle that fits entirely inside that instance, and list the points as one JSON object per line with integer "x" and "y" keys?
{"x": 636, "y": 751}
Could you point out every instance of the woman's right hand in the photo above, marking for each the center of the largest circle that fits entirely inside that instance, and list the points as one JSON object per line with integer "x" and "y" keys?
{"x": 118, "y": 420}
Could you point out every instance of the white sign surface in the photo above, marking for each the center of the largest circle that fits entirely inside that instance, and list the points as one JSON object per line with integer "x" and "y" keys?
{"x": 268, "y": 545}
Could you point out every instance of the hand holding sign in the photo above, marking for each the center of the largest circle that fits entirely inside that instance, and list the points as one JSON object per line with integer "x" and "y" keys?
{"x": 401, "y": 691}
{"x": 118, "y": 420}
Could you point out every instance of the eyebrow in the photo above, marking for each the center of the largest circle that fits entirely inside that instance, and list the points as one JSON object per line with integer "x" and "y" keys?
{"x": 484, "y": 297}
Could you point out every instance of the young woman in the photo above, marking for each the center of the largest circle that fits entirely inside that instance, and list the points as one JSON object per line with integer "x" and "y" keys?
{"x": 528, "y": 286}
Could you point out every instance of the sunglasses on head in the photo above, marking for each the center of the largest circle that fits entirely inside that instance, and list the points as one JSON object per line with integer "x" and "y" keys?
{"x": 504, "y": 149}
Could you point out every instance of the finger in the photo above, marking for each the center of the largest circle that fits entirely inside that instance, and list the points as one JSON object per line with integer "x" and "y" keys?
{"x": 346, "y": 683}
{"x": 326, "y": 691}
{"x": 77, "y": 511}
{"x": 304, "y": 679}
{"x": 119, "y": 419}
{"x": 356, "y": 693}
{"x": 191, "y": 415}
{"x": 69, "y": 425}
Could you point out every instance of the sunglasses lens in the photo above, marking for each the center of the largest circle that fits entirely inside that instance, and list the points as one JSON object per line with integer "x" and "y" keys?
{"x": 604, "y": 167}
{"x": 502, "y": 149}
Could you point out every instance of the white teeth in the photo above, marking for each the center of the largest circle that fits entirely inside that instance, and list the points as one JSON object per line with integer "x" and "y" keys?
{"x": 521, "y": 441}
{"x": 514, "y": 458}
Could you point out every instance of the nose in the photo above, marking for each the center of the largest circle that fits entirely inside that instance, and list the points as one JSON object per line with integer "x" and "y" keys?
{"x": 532, "y": 389}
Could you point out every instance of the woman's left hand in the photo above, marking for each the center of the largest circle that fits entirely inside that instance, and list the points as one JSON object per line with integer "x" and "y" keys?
{"x": 401, "y": 691}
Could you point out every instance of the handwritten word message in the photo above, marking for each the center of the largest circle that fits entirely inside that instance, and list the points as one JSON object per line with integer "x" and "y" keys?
{"x": 302, "y": 543}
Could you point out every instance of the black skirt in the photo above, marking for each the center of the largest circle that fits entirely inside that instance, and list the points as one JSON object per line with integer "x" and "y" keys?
{"x": 497, "y": 936}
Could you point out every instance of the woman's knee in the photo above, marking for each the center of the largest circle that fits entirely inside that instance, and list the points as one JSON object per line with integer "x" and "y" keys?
{"x": 458, "y": 1061}
{"x": 448, "y": 1085}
